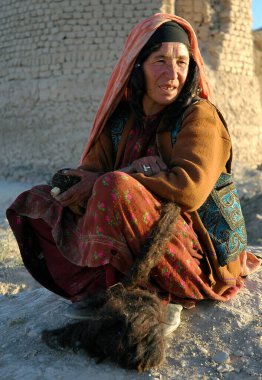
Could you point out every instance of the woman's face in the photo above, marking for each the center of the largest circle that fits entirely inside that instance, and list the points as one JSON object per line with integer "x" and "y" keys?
{"x": 165, "y": 73}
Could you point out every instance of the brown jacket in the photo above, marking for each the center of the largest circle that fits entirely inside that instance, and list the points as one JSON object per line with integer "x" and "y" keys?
{"x": 195, "y": 162}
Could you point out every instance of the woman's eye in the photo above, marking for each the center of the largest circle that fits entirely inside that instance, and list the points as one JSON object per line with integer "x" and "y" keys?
{"x": 161, "y": 60}
{"x": 182, "y": 63}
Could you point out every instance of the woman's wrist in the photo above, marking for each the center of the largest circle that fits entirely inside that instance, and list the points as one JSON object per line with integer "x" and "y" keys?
{"x": 127, "y": 169}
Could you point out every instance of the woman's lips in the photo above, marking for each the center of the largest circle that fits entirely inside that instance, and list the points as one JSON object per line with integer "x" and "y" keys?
{"x": 168, "y": 88}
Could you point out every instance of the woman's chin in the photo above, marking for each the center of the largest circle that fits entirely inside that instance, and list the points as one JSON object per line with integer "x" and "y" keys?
{"x": 165, "y": 101}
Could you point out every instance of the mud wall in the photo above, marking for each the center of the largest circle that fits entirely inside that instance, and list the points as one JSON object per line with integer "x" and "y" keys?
{"x": 56, "y": 57}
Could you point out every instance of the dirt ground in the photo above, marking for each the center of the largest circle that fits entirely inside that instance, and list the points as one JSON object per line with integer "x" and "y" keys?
{"x": 214, "y": 341}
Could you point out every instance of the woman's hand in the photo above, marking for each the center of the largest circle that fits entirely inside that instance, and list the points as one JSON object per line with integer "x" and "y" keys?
{"x": 80, "y": 192}
{"x": 149, "y": 166}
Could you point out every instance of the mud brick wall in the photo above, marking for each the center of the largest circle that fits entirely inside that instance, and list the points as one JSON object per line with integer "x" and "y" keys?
{"x": 257, "y": 36}
{"x": 224, "y": 30}
{"x": 56, "y": 57}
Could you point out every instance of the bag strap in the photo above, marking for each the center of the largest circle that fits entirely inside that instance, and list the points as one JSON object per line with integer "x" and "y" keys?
{"x": 229, "y": 162}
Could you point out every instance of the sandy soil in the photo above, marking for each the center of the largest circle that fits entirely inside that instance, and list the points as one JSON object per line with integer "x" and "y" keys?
{"x": 214, "y": 341}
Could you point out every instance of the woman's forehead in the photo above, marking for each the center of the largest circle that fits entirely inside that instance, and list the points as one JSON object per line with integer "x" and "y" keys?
{"x": 172, "y": 49}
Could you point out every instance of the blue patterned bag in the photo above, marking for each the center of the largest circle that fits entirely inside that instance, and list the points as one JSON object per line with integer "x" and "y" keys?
{"x": 222, "y": 216}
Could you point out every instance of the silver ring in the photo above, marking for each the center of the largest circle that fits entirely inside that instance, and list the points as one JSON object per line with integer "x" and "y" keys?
{"x": 146, "y": 168}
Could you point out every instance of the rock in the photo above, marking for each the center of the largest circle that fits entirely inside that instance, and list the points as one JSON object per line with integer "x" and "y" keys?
{"x": 237, "y": 370}
{"x": 250, "y": 351}
{"x": 221, "y": 357}
{"x": 16, "y": 321}
{"x": 204, "y": 350}
{"x": 225, "y": 368}
{"x": 33, "y": 334}
{"x": 239, "y": 353}
{"x": 239, "y": 323}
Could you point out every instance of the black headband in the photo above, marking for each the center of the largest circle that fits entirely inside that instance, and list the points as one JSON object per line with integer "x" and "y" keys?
{"x": 169, "y": 32}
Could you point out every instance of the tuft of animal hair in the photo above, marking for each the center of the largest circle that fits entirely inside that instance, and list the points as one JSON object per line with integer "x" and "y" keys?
{"x": 126, "y": 325}
{"x": 127, "y": 329}
{"x": 153, "y": 248}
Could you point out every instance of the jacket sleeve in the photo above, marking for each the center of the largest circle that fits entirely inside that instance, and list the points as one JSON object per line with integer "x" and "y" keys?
{"x": 195, "y": 161}
{"x": 100, "y": 157}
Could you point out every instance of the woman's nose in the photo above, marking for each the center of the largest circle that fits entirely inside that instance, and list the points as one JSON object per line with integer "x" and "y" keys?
{"x": 171, "y": 70}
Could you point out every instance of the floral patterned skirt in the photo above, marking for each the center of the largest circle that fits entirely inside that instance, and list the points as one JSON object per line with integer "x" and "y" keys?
{"x": 76, "y": 255}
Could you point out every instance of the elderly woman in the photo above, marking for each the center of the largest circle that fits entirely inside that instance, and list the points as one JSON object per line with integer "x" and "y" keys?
{"x": 156, "y": 140}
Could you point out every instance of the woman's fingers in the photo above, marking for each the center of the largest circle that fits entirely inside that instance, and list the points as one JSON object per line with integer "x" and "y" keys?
{"x": 74, "y": 172}
{"x": 152, "y": 169}
{"x": 76, "y": 194}
{"x": 67, "y": 197}
{"x": 137, "y": 166}
{"x": 149, "y": 166}
{"x": 161, "y": 164}
{"x": 156, "y": 164}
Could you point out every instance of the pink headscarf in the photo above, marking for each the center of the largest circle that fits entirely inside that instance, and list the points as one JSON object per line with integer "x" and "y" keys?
{"x": 118, "y": 80}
